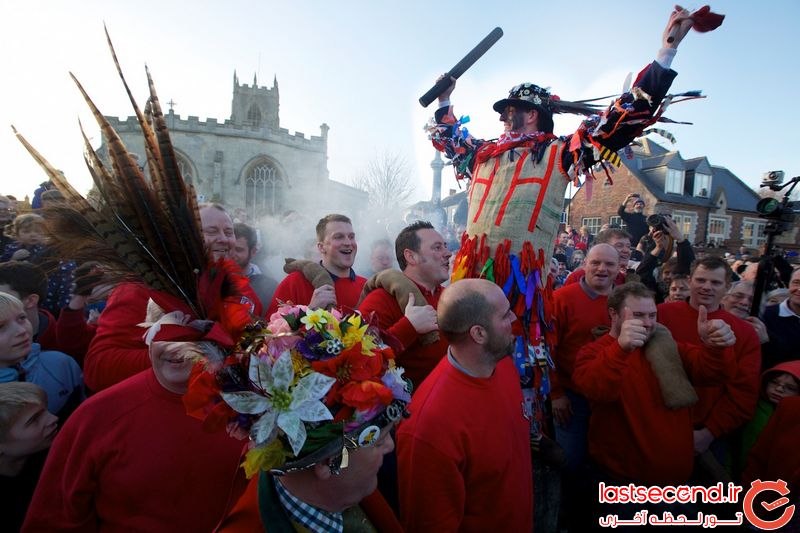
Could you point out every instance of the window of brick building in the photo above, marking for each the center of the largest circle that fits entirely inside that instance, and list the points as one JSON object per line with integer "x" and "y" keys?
{"x": 674, "y": 182}
{"x": 593, "y": 223}
{"x": 686, "y": 222}
{"x": 753, "y": 232}
{"x": 616, "y": 221}
{"x": 717, "y": 229}
{"x": 702, "y": 185}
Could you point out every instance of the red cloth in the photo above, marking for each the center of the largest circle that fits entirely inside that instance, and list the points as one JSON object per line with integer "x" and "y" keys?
{"x": 576, "y": 314}
{"x": 130, "y": 459}
{"x": 297, "y": 289}
{"x": 774, "y": 456}
{"x": 118, "y": 350}
{"x": 720, "y": 409}
{"x": 74, "y": 334}
{"x": 245, "y": 516}
{"x": 464, "y": 457}
{"x": 576, "y": 275}
{"x": 69, "y": 334}
{"x": 47, "y": 338}
{"x": 632, "y": 435}
{"x": 417, "y": 359}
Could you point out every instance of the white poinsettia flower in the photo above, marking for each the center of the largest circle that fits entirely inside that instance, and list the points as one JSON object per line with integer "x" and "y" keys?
{"x": 282, "y": 408}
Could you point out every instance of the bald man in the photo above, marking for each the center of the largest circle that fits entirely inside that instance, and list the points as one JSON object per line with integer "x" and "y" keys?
{"x": 467, "y": 424}
{"x": 579, "y": 309}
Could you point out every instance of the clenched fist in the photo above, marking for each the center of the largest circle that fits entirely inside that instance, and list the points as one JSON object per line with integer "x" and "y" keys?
{"x": 633, "y": 333}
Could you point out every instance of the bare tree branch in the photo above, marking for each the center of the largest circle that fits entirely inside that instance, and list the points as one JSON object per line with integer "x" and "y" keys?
{"x": 386, "y": 179}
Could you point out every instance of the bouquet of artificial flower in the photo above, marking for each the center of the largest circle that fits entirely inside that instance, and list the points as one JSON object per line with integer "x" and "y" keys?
{"x": 296, "y": 383}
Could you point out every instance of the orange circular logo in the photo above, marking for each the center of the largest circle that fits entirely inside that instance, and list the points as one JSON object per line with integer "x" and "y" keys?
{"x": 758, "y": 487}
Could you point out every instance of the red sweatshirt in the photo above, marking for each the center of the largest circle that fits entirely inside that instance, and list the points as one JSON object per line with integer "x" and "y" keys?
{"x": 297, "y": 289}
{"x": 721, "y": 409}
{"x": 69, "y": 334}
{"x": 464, "y": 457}
{"x": 774, "y": 456}
{"x": 417, "y": 359}
{"x": 632, "y": 434}
{"x": 130, "y": 459}
{"x": 576, "y": 314}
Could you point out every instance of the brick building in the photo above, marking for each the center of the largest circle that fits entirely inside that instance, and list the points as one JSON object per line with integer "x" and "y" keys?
{"x": 709, "y": 203}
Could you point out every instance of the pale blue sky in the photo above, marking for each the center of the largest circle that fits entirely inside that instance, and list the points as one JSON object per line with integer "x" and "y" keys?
{"x": 360, "y": 66}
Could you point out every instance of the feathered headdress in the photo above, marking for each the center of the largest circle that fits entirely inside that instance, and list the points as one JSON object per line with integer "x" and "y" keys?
{"x": 142, "y": 229}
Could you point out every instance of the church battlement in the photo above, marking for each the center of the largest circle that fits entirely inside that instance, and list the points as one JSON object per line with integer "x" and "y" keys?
{"x": 193, "y": 124}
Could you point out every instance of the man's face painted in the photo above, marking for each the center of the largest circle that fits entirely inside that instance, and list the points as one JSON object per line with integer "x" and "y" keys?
{"x": 514, "y": 119}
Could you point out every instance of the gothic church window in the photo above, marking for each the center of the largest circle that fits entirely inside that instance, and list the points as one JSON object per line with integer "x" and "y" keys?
{"x": 185, "y": 169}
{"x": 254, "y": 115}
{"x": 263, "y": 190}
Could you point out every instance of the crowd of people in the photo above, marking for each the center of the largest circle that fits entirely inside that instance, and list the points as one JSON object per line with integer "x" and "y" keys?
{"x": 491, "y": 388}
{"x": 614, "y": 413}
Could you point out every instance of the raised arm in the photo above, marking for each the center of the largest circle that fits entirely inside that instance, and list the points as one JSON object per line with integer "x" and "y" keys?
{"x": 628, "y": 116}
{"x": 448, "y": 136}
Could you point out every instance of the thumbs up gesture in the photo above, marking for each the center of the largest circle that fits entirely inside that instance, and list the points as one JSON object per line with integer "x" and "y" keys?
{"x": 423, "y": 318}
{"x": 633, "y": 333}
{"x": 715, "y": 333}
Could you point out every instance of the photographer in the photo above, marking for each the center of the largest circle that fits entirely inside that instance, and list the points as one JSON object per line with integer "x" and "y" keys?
{"x": 662, "y": 229}
{"x": 636, "y": 222}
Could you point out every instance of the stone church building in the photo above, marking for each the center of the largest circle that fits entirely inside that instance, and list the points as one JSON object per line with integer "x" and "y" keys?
{"x": 249, "y": 161}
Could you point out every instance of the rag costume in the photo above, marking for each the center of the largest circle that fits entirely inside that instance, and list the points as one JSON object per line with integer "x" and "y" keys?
{"x": 130, "y": 459}
{"x": 721, "y": 409}
{"x": 633, "y": 436}
{"x": 516, "y": 195}
{"x": 464, "y": 459}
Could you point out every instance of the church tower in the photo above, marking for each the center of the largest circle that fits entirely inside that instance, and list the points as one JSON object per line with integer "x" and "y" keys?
{"x": 255, "y": 106}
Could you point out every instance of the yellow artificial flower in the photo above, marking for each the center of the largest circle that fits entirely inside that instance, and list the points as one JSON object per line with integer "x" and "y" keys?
{"x": 368, "y": 345}
{"x": 300, "y": 365}
{"x": 315, "y": 319}
{"x": 264, "y": 458}
{"x": 354, "y": 333}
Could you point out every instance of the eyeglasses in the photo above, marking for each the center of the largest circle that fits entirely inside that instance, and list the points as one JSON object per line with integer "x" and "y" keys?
{"x": 785, "y": 387}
